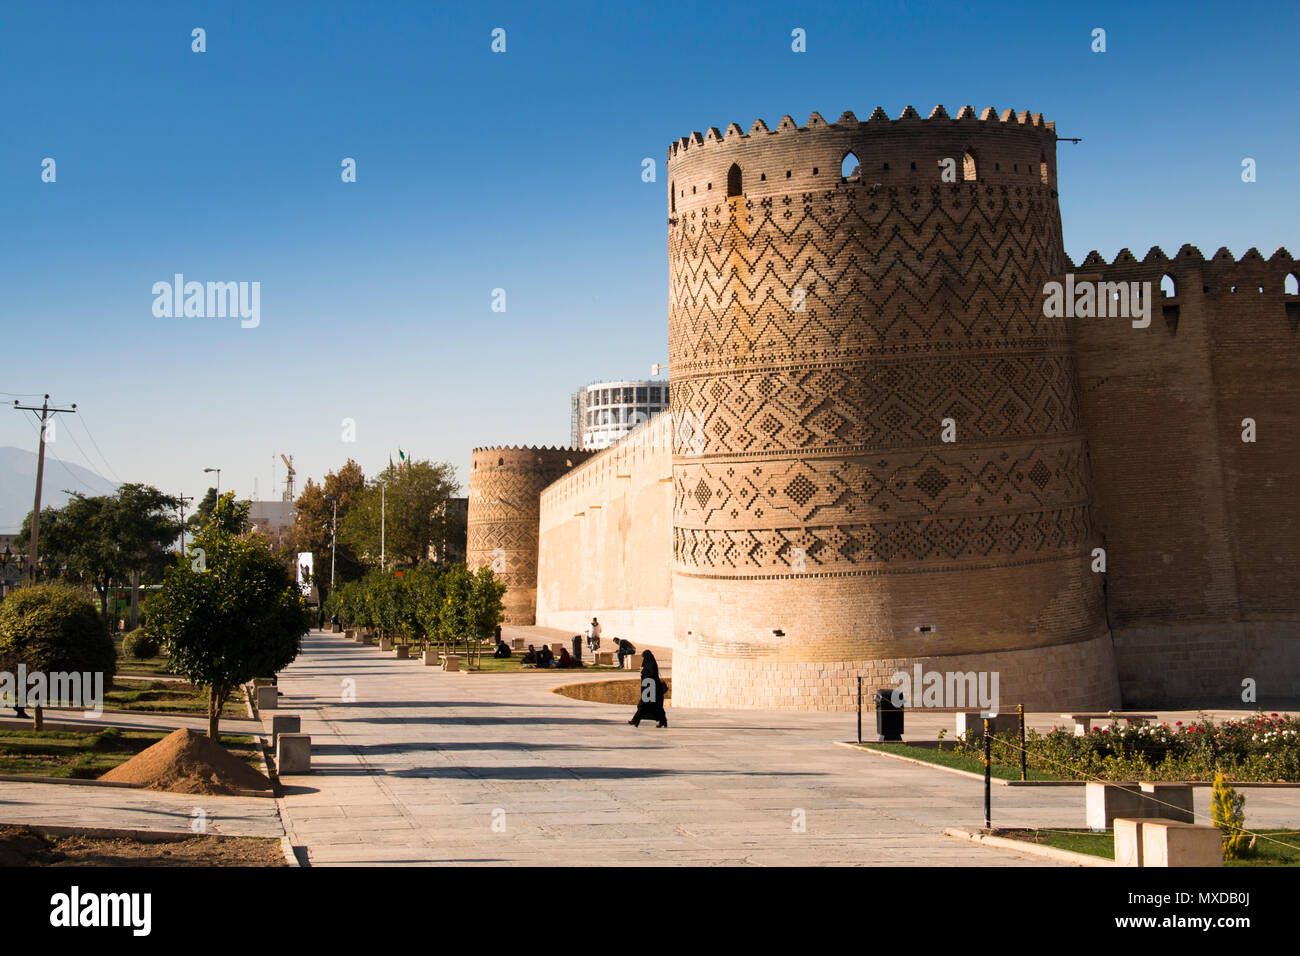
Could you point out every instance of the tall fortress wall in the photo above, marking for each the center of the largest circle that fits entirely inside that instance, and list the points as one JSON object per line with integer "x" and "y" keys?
{"x": 1199, "y": 525}
{"x": 822, "y": 527}
{"x": 505, "y": 485}
{"x": 808, "y": 523}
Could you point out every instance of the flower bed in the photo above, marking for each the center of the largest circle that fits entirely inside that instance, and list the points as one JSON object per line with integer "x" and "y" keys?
{"x": 1259, "y": 748}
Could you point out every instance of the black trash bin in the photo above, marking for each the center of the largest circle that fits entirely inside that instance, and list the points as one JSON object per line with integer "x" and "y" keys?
{"x": 889, "y": 716}
{"x": 577, "y": 650}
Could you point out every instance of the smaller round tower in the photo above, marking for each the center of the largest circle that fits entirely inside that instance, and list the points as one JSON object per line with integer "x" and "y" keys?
{"x": 505, "y": 487}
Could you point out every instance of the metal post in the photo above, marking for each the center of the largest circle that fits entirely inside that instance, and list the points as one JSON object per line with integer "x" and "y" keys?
{"x": 334, "y": 527}
{"x": 1021, "y": 708}
{"x": 383, "y": 508}
{"x": 859, "y": 710}
{"x": 988, "y": 783}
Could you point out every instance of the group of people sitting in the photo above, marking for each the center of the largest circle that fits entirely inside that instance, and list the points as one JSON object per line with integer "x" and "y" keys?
{"x": 545, "y": 657}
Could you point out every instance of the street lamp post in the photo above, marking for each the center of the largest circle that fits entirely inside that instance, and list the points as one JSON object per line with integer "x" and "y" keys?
{"x": 383, "y": 507}
{"x": 218, "y": 471}
{"x": 334, "y": 526}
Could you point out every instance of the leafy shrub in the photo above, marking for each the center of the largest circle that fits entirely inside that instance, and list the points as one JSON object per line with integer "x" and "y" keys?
{"x": 1262, "y": 747}
{"x": 139, "y": 644}
{"x": 1228, "y": 813}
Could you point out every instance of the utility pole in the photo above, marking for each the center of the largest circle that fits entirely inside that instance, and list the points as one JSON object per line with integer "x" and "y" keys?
{"x": 383, "y": 506}
{"x": 46, "y": 412}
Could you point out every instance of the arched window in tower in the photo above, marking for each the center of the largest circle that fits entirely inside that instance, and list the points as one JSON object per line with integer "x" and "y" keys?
{"x": 968, "y": 166}
{"x": 1042, "y": 168}
{"x": 1291, "y": 285}
{"x": 850, "y": 168}
{"x": 1167, "y": 287}
{"x": 735, "y": 181}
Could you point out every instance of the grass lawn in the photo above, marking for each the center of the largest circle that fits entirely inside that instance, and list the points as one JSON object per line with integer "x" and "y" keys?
{"x": 87, "y": 755}
{"x": 131, "y": 665}
{"x": 946, "y": 758}
{"x": 1103, "y": 844}
{"x": 167, "y": 697}
{"x": 514, "y": 665}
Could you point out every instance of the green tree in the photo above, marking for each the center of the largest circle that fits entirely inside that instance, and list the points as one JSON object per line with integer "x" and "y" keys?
{"x": 412, "y": 503}
{"x": 109, "y": 540}
{"x": 485, "y": 607}
{"x": 51, "y": 628}
{"x": 313, "y": 521}
{"x": 195, "y": 522}
{"x": 236, "y": 616}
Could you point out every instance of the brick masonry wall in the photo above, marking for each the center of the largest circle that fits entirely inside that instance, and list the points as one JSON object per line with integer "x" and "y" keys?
{"x": 505, "y": 486}
{"x": 606, "y": 541}
{"x": 1197, "y": 523}
{"x": 813, "y": 495}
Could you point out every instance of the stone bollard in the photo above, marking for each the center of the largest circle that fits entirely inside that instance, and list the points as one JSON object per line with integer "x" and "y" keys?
{"x": 268, "y": 698}
{"x": 349, "y": 634}
{"x": 1106, "y": 801}
{"x": 1168, "y": 842}
{"x": 284, "y": 724}
{"x": 555, "y": 649}
{"x": 1128, "y": 841}
{"x": 293, "y": 754}
{"x": 632, "y": 662}
{"x": 452, "y": 663}
{"x": 999, "y": 724}
{"x": 430, "y": 658}
{"x": 385, "y": 643}
{"x": 517, "y": 644}
{"x": 360, "y": 637}
{"x": 1170, "y": 800}
{"x": 403, "y": 652}
{"x": 605, "y": 658}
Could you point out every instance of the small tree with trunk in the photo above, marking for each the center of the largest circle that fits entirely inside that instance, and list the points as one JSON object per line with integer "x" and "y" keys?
{"x": 50, "y": 628}
{"x": 228, "y": 613}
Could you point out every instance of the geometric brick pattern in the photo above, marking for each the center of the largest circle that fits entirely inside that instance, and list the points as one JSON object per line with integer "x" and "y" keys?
{"x": 821, "y": 328}
{"x": 505, "y": 485}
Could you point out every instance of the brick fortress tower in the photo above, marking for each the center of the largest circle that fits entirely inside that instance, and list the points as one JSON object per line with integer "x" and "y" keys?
{"x": 505, "y": 485}
{"x": 823, "y": 325}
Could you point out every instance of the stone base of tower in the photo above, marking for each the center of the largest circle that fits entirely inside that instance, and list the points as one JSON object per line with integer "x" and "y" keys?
{"x": 1209, "y": 662}
{"x": 1053, "y": 679}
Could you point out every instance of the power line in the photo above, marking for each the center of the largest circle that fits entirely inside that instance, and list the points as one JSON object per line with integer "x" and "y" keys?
{"x": 80, "y": 481}
{"x": 110, "y": 468}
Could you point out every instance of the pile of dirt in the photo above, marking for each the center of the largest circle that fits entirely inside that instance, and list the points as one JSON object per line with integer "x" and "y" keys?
{"x": 188, "y": 762}
{"x": 22, "y": 846}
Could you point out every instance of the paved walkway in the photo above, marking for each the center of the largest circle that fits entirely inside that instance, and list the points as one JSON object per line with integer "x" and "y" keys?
{"x": 424, "y": 766}
{"x": 53, "y": 804}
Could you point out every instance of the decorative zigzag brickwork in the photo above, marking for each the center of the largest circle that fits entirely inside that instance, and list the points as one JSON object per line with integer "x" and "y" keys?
{"x": 504, "y": 489}
{"x": 821, "y": 329}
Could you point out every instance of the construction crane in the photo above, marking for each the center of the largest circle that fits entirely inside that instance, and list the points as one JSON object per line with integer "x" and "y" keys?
{"x": 288, "y": 482}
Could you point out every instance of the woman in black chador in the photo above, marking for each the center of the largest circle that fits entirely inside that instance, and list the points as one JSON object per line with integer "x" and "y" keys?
{"x": 651, "y": 705}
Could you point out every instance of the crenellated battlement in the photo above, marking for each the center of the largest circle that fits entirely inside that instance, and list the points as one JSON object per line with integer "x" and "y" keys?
{"x": 1193, "y": 274}
{"x": 1008, "y": 149}
{"x": 879, "y": 119}
{"x": 526, "y": 448}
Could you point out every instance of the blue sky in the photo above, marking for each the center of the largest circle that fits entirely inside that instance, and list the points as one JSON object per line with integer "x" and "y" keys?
{"x": 519, "y": 171}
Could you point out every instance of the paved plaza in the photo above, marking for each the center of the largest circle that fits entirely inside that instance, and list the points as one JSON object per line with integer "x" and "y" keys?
{"x": 432, "y": 767}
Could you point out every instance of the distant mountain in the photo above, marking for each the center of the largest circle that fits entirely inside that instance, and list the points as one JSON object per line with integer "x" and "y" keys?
{"x": 18, "y": 483}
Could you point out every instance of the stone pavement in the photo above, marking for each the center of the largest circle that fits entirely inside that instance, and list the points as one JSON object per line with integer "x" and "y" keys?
{"x": 53, "y": 804}
{"x": 422, "y": 764}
